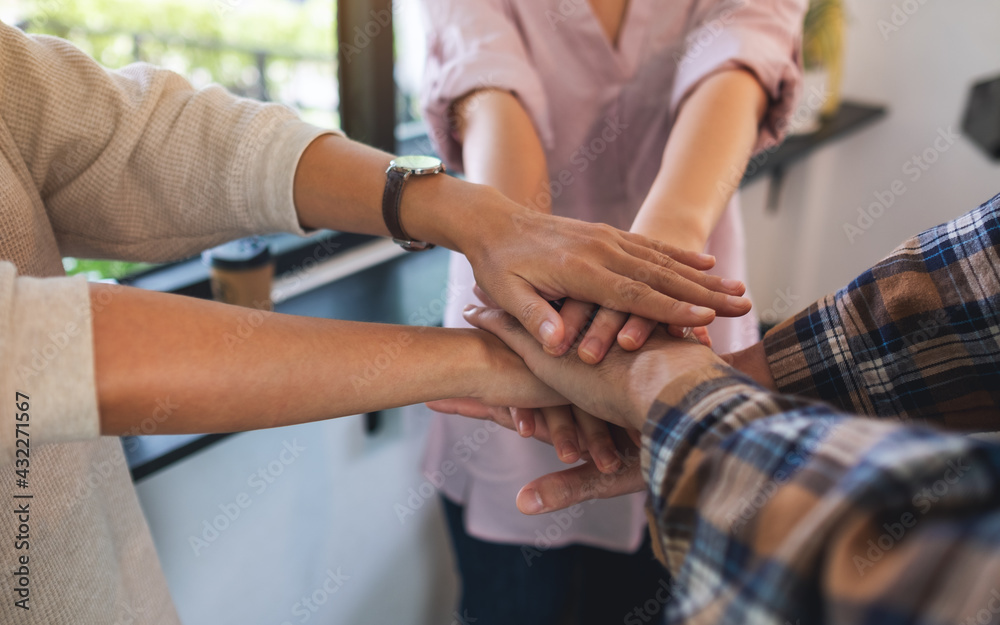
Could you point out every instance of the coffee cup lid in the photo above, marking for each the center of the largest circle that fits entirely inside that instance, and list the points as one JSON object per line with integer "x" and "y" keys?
{"x": 248, "y": 253}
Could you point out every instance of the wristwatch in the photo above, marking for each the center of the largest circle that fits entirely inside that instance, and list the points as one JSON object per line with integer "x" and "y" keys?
{"x": 400, "y": 170}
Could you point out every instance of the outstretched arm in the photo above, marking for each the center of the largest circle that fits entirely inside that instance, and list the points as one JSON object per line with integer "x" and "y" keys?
{"x": 783, "y": 508}
{"x": 714, "y": 135}
{"x": 737, "y": 77}
{"x": 521, "y": 258}
{"x": 222, "y": 368}
{"x": 914, "y": 337}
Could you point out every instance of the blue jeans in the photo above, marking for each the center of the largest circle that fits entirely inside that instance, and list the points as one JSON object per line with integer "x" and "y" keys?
{"x": 575, "y": 584}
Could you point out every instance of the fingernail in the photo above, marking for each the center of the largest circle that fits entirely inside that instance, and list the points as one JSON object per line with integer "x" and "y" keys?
{"x": 567, "y": 449}
{"x": 469, "y": 309}
{"x": 631, "y": 336}
{"x": 589, "y": 348}
{"x": 610, "y": 460}
{"x": 522, "y": 427}
{"x": 547, "y": 330}
{"x": 738, "y": 302}
{"x": 701, "y": 311}
{"x": 731, "y": 285}
{"x": 706, "y": 257}
{"x": 533, "y": 502}
{"x": 688, "y": 332}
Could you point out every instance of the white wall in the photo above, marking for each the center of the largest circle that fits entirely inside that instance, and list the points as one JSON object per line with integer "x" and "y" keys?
{"x": 922, "y": 72}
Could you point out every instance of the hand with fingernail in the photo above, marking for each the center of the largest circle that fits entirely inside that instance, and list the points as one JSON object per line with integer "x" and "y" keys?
{"x": 545, "y": 258}
{"x": 609, "y": 399}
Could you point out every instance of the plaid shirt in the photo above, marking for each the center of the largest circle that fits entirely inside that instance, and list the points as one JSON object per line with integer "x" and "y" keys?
{"x": 778, "y": 508}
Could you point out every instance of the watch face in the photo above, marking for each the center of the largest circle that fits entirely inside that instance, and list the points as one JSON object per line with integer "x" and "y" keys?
{"x": 417, "y": 164}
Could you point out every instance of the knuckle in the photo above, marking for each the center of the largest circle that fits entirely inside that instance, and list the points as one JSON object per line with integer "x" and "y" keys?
{"x": 511, "y": 324}
{"x": 529, "y": 309}
{"x": 657, "y": 245}
{"x": 600, "y": 438}
{"x": 716, "y": 300}
{"x": 566, "y": 490}
{"x": 564, "y": 430}
{"x": 589, "y": 485}
{"x": 607, "y": 230}
{"x": 676, "y": 307}
{"x": 608, "y": 321}
{"x": 668, "y": 276}
{"x": 632, "y": 291}
{"x": 605, "y": 249}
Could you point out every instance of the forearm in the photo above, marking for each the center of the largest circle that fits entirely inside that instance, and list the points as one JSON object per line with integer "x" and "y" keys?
{"x": 906, "y": 339}
{"x": 223, "y": 368}
{"x": 501, "y": 148}
{"x": 826, "y": 503}
{"x": 339, "y": 185}
{"x": 713, "y": 135}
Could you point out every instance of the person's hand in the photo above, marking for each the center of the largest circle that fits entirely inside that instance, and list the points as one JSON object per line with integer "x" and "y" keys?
{"x": 594, "y": 479}
{"x": 622, "y": 388}
{"x": 605, "y": 325}
{"x": 503, "y": 379}
{"x": 524, "y": 259}
{"x": 585, "y": 482}
{"x": 575, "y": 434}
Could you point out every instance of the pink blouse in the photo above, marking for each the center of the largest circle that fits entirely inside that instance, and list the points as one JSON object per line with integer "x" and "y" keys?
{"x": 603, "y": 114}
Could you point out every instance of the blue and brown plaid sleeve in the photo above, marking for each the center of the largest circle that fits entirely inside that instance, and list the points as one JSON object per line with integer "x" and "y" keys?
{"x": 915, "y": 337}
{"x": 775, "y": 509}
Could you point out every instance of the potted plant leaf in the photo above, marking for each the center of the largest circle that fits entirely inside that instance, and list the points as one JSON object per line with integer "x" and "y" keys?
{"x": 822, "y": 58}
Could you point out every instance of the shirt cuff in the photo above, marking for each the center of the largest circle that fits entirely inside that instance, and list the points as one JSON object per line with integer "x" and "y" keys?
{"x": 48, "y": 360}
{"x": 271, "y": 184}
{"x": 775, "y": 63}
{"x": 687, "y": 409}
{"x": 487, "y": 71}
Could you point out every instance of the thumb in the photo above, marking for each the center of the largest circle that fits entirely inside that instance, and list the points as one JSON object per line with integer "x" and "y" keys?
{"x": 535, "y": 314}
{"x": 466, "y": 407}
{"x": 504, "y": 327}
{"x": 557, "y": 491}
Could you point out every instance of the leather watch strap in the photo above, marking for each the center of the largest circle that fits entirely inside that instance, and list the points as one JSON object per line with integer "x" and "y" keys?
{"x": 400, "y": 170}
{"x": 395, "y": 180}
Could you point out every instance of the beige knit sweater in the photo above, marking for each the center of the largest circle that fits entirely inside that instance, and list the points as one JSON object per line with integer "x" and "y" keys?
{"x": 135, "y": 165}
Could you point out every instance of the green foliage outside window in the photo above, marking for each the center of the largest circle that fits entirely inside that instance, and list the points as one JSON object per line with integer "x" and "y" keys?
{"x": 207, "y": 41}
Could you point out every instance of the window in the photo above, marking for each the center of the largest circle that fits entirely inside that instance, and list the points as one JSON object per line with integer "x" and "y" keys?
{"x": 411, "y": 54}
{"x": 275, "y": 50}
{"x": 272, "y": 50}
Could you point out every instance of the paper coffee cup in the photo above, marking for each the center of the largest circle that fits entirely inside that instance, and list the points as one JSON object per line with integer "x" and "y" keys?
{"x": 241, "y": 273}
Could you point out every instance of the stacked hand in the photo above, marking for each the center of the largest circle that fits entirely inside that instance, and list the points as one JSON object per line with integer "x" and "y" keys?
{"x": 620, "y": 390}
{"x": 527, "y": 259}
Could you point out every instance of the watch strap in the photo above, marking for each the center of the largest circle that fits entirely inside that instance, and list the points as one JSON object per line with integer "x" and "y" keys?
{"x": 392, "y": 197}
{"x": 395, "y": 180}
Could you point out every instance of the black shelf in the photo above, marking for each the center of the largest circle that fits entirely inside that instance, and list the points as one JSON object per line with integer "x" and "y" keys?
{"x": 851, "y": 117}
{"x": 143, "y": 462}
